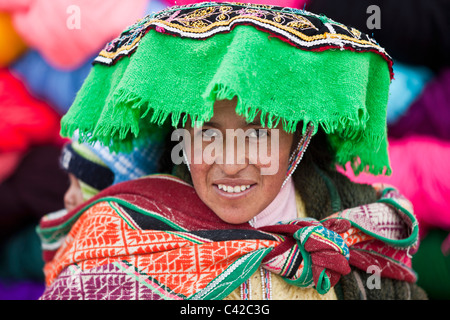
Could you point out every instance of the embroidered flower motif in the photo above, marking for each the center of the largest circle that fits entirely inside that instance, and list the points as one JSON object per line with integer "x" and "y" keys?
{"x": 201, "y": 20}
{"x": 250, "y": 12}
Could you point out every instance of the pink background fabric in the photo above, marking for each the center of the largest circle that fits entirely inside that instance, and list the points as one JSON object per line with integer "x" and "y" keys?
{"x": 421, "y": 171}
{"x": 43, "y": 25}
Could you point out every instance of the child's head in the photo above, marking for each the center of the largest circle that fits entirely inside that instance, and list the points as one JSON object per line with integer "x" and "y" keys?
{"x": 87, "y": 173}
{"x": 92, "y": 168}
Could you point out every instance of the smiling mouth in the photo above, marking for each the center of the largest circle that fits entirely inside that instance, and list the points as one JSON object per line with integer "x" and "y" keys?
{"x": 233, "y": 191}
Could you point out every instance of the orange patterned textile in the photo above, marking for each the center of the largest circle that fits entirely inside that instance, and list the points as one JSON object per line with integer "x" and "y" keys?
{"x": 153, "y": 238}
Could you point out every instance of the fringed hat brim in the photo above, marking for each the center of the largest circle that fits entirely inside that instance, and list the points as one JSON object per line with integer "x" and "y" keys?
{"x": 158, "y": 77}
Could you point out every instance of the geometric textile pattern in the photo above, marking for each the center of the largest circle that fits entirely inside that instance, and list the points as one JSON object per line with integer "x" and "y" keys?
{"x": 96, "y": 283}
{"x": 101, "y": 250}
{"x": 101, "y": 237}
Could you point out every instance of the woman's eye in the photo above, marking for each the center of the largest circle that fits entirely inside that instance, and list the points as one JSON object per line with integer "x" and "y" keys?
{"x": 210, "y": 133}
{"x": 258, "y": 133}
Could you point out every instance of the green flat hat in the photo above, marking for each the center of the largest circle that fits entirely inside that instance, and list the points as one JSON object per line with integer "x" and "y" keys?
{"x": 281, "y": 64}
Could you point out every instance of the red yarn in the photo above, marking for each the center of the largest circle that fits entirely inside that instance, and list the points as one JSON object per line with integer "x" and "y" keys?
{"x": 24, "y": 120}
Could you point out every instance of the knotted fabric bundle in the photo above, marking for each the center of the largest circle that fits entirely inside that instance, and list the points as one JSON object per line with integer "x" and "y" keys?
{"x": 155, "y": 237}
{"x": 314, "y": 253}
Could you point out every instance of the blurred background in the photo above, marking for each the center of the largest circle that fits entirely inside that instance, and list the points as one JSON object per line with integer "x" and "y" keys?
{"x": 46, "y": 50}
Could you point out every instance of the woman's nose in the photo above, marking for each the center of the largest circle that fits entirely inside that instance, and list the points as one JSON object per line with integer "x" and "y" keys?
{"x": 234, "y": 158}
{"x": 232, "y": 169}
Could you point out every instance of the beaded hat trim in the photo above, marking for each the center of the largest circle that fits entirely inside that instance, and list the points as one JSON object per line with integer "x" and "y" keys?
{"x": 300, "y": 28}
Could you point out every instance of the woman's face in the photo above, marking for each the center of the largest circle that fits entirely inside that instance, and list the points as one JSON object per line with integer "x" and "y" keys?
{"x": 237, "y": 184}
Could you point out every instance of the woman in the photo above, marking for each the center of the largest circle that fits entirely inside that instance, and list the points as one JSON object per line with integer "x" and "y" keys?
{"x": 266, "y": 218}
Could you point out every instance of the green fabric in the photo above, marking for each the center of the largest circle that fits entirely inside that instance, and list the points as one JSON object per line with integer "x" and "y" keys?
{"x": 433, "y": 266}
{"x": 87, "y": 191}
{"x": 240, "y": 271}
{"x": 169, "y": 77}
{"x": 21, "y": 256}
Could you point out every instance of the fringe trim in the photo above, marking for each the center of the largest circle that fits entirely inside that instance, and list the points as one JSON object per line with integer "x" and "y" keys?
{"x": 132, "y": 110}
{"x": 351, "y": 126}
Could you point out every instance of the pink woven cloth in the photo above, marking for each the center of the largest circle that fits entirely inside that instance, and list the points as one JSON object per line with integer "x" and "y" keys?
{"x": 421, "y": 172}
{"x": 68, "y": 32}
{"x": 282, "y": 208}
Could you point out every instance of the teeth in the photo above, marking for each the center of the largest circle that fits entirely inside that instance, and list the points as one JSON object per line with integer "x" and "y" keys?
{"x": 235, "y": 189}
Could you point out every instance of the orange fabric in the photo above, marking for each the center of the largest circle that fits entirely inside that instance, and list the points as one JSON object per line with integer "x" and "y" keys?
{"x": 11, "y": 43}
{"x": 101, "y": 236}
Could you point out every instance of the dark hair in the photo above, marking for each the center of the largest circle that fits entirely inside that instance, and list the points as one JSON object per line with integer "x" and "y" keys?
{"x": 325, "y": 190}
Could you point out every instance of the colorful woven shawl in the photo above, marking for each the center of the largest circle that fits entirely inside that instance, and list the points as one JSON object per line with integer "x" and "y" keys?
{"x": 153, "y": 238}
{"x": 282, "y": 64}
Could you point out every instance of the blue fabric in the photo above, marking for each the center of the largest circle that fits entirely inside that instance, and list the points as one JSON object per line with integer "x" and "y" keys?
{"x": 142, "y": 161}
{"x": 155, "y": 6}
{"x": 56, "y": 87}
{"x": 406, "y": 87}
